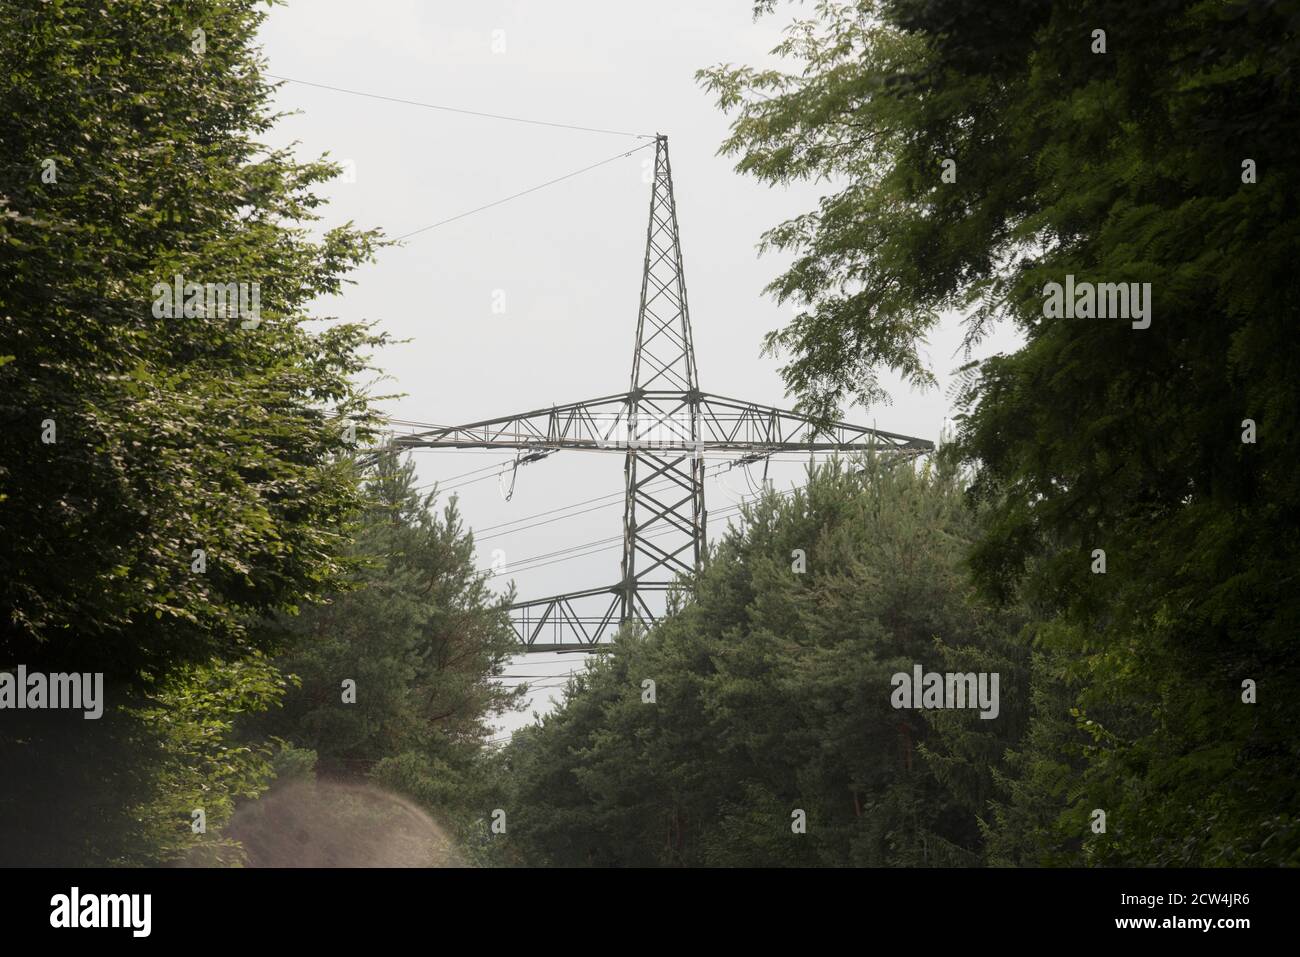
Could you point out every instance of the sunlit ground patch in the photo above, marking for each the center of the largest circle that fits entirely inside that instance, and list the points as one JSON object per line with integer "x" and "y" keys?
{"x": 329, "y": 824}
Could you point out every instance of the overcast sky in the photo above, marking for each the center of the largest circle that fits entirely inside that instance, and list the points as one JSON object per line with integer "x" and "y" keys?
{"x": 564, "y": 261}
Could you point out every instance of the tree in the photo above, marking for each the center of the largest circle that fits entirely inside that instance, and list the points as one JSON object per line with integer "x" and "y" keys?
{"x": 418, "y": 635}
{"x": 772, "y": 698}
{"x": 167, "y": 477}
{"x": 394, "y": 676}
{"x": 173, "y": 468}
{"x": 981, "y": 155}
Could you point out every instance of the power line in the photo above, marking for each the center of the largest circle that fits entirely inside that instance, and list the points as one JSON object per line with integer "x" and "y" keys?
{"x": 452, "y": 478}
{"x": 558, "y": 518}
{"x": 481, "y": 478}
{"x": 542, "y": 684}
{"x": 550, "y": 511}
{"x": 604, "y": 544}
{"x": 531, "y": 189}
{"x": 558, "y": 674}
{"x": 599, "y": 541}
{"x": 518, "y": 566}
{"x": 715, "y": 469}
{"x": 500, "y": 467}
{"x": 549, "y": 674}
{"x": 615, "y": 542}
{"x": 455, "y": 109}
{"x": 551, "y": 681}
{"x": 494, "y": 116}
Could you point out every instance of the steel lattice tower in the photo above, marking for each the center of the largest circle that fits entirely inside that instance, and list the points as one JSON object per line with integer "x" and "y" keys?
{"x": 661, "y": 531}
{"x": 664, "y": 424}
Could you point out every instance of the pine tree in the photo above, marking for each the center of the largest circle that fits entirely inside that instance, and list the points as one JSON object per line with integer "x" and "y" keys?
{"x": 772, "y": 708}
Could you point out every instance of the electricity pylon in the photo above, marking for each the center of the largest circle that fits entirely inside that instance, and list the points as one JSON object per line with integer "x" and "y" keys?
{"x": 664, "y": 424}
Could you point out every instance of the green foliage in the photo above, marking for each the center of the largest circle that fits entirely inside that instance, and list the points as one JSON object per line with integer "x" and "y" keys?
{"x": 422, "y": 637}
{"x": 173, "y": 434}
{"x": 773, "y": 694}
{"x": 206, "y": 765}
{"x": 127, "y": 158}
{"x": 418, "y": 631}
{"x": 121, "y": 790}
{"x": 459, "y": 791}
{"x": 1125, "y": 166}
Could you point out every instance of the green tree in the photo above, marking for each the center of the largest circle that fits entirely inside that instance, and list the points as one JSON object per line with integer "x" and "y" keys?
{"x": 165, "y": 480}
{"x": 122, "y": 790}
{"x": 128, "y": 440}
{"x": 420, "y": 636}
{"x": 1160, "y": 153}
{"x": 772, "y": 695}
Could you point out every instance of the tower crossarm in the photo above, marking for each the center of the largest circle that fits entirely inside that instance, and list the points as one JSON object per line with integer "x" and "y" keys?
{"x": 664, "y": 421}
{"x": 577, "y": 425}
{"x": 571, "y": 622}
{"x": 736, "y": 424}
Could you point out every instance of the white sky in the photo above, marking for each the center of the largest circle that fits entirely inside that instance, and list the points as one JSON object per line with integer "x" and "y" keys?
{"x": 567, "y": 259}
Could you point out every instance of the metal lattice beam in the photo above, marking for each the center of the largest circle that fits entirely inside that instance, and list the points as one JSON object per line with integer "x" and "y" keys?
{"x": 663, "y": 422}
